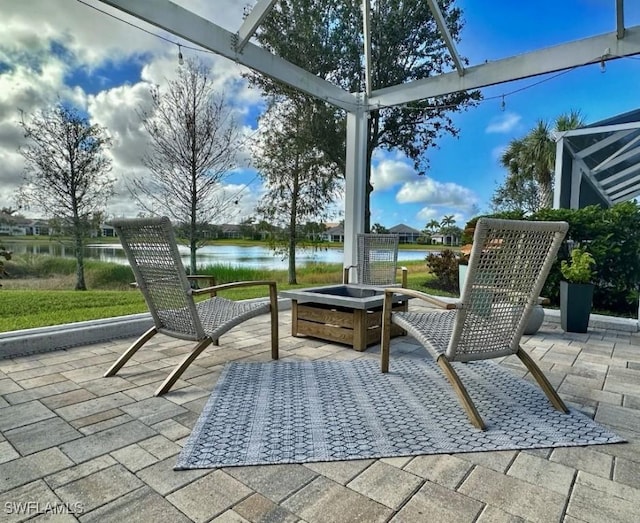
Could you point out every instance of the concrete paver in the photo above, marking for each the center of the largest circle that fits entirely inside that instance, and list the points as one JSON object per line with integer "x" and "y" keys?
{"x": 69, "y": 436}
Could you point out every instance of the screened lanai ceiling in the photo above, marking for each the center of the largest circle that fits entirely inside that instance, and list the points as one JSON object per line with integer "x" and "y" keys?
{"x": 599, "y": 163}
{"x": 206, "y": 30}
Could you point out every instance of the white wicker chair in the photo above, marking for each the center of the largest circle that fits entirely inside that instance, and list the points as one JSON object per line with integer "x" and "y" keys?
{"x": 377, "y": 261}
{"x": 509, "y": 264}
{"x": 153, "y": 254}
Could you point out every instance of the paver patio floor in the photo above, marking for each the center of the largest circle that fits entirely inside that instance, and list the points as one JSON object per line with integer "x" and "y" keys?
{"x": 102, "y": 449}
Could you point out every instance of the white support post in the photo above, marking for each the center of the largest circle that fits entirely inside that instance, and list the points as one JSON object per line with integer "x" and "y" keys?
{"x": 355, "y": 187}
{"x": 576, "y": 182}
{"x": 557, "y": 186}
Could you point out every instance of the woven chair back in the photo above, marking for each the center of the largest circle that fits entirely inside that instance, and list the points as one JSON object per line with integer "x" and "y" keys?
{"x": 509, "y": 263}
{"x": 377, "y": 259}
{"x": 151, "y": 249}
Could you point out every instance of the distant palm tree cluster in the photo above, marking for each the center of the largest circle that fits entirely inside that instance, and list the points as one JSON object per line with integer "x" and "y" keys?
{"x": 443, "y": 232}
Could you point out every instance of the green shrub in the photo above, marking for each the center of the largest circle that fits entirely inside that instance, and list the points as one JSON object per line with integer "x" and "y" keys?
{"x": 7, "y": 256}
{"x": 612, "y": 237}
{"x": 444, "y": 267}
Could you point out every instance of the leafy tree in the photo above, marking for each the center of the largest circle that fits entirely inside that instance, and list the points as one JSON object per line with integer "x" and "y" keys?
{"x": 517, "y": 192}
{"x": 301, "y": 180}
{"x": 194, "y": 142}
{"x": 531, "y": 162}
{"x": 379, "y": 229}
{"x": 325, "y": 36}
{"x": 66, "y": 172}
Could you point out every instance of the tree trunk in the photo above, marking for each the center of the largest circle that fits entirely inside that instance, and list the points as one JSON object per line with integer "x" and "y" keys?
{"x": 80, "y": 283}
{"x": 373, "y": 129}
{"x": 193, "y": 248}
{"x": 292, "y": 227}
{"x": 546, "y": 194}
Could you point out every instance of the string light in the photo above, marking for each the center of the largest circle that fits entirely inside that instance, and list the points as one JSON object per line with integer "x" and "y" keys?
{"x": 503, "y": 104}
{"x": 180, "y": 58}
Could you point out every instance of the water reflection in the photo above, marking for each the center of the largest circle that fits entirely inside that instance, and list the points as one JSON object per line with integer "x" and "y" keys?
{"x": 232, "y": 255}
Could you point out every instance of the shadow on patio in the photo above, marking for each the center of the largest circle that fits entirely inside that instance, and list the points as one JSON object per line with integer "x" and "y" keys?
{"x": 104, "y": 448}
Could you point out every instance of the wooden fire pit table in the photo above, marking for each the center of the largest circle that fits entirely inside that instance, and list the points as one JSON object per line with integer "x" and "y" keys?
{"x": 349, "y": 314}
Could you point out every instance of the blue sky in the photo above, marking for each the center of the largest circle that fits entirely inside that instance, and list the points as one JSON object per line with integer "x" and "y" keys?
{"x": 51, "y": 48}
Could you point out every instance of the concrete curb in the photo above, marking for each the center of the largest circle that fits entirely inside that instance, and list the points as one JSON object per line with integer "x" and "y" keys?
{"x": 598, "y": 321}
{"x": 46, "y": 339}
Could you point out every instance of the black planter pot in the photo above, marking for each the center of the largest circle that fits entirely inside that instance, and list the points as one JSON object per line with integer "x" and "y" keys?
{"x": 575, "y": 306}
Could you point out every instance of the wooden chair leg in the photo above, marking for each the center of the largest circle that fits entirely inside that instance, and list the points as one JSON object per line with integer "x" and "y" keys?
{"x": 542, "y": 380}
{"x": 273, "y": 301}
{"x": 177, "y": 372}
{"x": 131, "y": 351}
{"x": 462, "y": 393}
{"x": 385, "y": 337}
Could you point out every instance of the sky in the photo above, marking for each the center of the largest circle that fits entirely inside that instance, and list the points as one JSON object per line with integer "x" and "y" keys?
{"x": 66, "y": 49}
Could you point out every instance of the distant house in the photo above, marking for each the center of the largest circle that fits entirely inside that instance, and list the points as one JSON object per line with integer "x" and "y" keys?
{"x": 12, "y": 229}
{"x": 37, "y": 228}
{"x": 231, "y": 231}
{"x": 107, "y": 231}
{"x": 334, "y": 234}
{"x": 406, "y": 234}
{"x": 445, "y": 239}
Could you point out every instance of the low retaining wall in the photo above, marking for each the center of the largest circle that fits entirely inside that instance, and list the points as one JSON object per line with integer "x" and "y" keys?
{"x": 45, "y": 339}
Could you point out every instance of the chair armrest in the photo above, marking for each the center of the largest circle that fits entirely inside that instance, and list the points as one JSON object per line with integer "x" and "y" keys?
{"x": 211, "y": 281}
{"x": 234, "y": 285}
{"x": 209, "y": 277}
{"x": 273, "y": 290}
{"x": 422, "y": 296}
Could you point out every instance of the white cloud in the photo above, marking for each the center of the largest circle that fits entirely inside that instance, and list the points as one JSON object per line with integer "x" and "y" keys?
{"x": 388, "y": 172}
{"x": 426, "y": 214}
{"x": 117, "y": 110}
{"x": 44, "y": 43}
{"x": 504, "y": 123}
{"x": 430, "y": 192}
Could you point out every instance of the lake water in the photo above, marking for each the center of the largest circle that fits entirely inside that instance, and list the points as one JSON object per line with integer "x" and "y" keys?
{"x": 235, "y": 256}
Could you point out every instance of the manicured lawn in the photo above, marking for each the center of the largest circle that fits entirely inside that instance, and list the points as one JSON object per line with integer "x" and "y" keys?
{"x": 25, "y": 308}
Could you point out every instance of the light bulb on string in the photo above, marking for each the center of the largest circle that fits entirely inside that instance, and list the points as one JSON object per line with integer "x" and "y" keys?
{"x": 180, "y": 57}
{"x": 503, "y": 104}
{"x": 603, "y": 66}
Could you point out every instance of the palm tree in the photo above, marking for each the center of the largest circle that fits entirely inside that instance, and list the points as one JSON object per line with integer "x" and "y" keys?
{"x": 433, "y": 225}
{"x": 533, "y": 157}
{"x": 447, "y": 221}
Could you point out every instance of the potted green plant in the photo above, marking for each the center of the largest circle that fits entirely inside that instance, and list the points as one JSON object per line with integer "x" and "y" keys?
{"x": 576, "y": 291}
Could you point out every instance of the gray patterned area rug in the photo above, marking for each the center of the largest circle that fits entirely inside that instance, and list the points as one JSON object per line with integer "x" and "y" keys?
{"x": 298, "y": 412}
